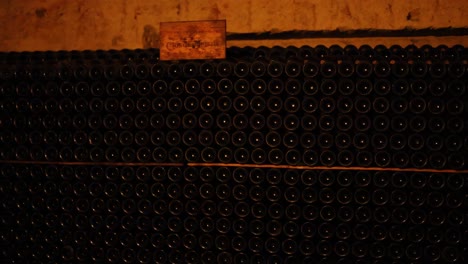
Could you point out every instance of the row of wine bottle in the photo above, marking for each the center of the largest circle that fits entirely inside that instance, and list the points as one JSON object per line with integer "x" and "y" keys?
{"x": 430, "y": 105}
{"x": 40, "y": 92}
{"x": 332, "y": 67}
{"x": 357, "y": 140}
{"x": 276, "y": 203}
{"x": 243, "y": 227}
{"x": 343, "y": 252}
{"x": 441, "y": 52}
{"x": 57, "y": 175}
{"x": 50, "y": 128}
{"x": 275, "y": 156}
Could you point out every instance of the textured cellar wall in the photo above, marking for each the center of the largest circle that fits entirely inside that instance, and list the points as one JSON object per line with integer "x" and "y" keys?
{"x": 116, "y": 24}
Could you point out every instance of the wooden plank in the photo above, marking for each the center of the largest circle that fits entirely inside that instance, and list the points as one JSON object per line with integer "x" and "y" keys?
{"x": 193, "y": 40}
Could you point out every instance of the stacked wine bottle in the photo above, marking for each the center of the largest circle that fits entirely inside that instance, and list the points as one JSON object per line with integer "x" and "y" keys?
{"x": 273, "y": 155}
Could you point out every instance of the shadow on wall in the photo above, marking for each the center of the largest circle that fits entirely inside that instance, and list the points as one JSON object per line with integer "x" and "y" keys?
{"x": 150, "y": 37}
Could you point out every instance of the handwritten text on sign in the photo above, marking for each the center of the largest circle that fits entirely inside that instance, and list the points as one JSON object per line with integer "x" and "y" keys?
{"x": 193, "y": 40}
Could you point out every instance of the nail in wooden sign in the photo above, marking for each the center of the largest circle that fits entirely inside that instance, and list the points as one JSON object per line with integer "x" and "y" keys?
{"x": 191, "y": 40}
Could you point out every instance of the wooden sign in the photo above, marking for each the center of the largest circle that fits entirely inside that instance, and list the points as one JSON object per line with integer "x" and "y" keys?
{"x": 193, "y": 40}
